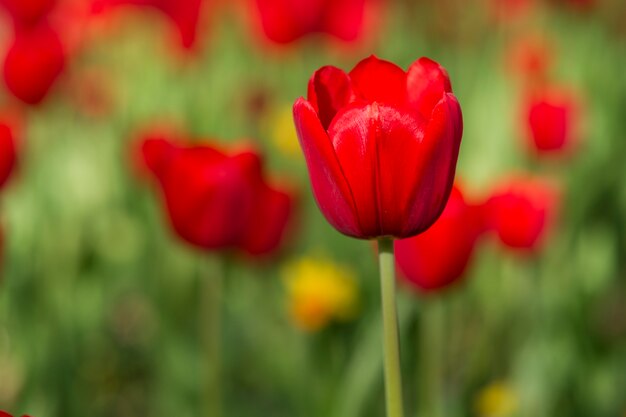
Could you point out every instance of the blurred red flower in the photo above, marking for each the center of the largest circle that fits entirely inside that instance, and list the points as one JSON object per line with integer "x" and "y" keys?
{"x": 438, "y": 257}
{"x": 381, "y": 145}
{"x": 551, "y": 115}
{"x": 520, "y": 211}
{"x": 218, "y": 201}
{"x": 33, "y": 62}
{"x": 285, "y": 21}
{"x": 27, "y": 12}
{"x": 8, "y": 151}
{"x": 184, "y": 14}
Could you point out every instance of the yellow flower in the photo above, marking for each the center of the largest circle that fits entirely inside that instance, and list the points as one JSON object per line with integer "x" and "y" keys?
{"x": 319, "y": 291}
{"x": 283, "y": 133}
{"x": 497, "y": 400}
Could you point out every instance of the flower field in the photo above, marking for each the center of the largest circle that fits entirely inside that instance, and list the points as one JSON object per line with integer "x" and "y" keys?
{"x": 194, "y": 195}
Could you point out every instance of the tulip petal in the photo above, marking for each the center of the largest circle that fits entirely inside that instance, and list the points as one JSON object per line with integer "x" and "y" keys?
{"x": 33, "y": 63}
{"x": 156, "y": 153}
{"x": 285, "y": 21}
{"x": 331, "y": 190}
{"x": 439, "y": 256}
{"x": 427, "y": 82}
{"x": 201, "y": 193}
{"x": 344, "y": 19}
{"x": 379, "y": 80}
{"x": 330, "y": 89}
{"x": 269, "y": 221}
{"x": 521, "y": 210}
{"x": 379, "y": 149}
{"x": 438, "y": 154}
{"x": 8, "y": 152}
{"x": 185, "y": 15}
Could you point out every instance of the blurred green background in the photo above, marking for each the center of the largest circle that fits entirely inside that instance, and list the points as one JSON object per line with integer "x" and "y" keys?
{"x": 102, "y": 308}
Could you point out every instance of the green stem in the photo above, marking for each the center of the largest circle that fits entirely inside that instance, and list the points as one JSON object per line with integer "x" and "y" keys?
{"x": 211, "y": 335}
{"x": 393, "y": 377}
{"x": 430, "y": 358}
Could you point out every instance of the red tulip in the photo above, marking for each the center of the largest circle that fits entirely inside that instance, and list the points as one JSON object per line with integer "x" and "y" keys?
{"x": 551, "y": 116}
{"x": 520, "y": 210}
{"x": 184, "y": 14}
{"x": 8, "y": 154}
{"x": 285, "y": 21}
{"x": 5, "y": 414}
{"x": 33, "y": 63}
{"x": 439, "y": 256}
{"x": 218, "y": 201}
{"x": 27, "y": 12}
{"x": 381, "y": 145}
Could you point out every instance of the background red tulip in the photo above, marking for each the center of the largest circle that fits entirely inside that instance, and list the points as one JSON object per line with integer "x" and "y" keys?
{"x": 218, "y": 201}
{"x": 285, "y": 21}
{"x": 551, "y": 116}
{"x": 33, "y": 62}
{"x": 520, "y": 210}
{"x": 439, "y": 256}
{"x": 28, "y": 12}
{"x": 8, "y": 154}
{"x": 381, "y": 145}
{"x": 185, "y": 15}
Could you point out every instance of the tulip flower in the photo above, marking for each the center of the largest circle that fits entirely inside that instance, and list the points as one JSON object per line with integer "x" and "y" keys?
{"x": 381, "y": 146}
{"x": 185, "y": 15}
{"x": 285, "y": 21}
{"x": 319, "y": 291}
{"x": 551, "y": 116}
{"x": 438, "y": 257}
{"x": 8, "y": 154}
{"x": 27, "y": 12}
{"x": 33, "y": 62}
{"x": 218, "y": 201}
{"x": 520, "y": 210}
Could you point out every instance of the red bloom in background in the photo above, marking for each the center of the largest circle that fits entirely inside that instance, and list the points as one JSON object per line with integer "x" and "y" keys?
{"x": 8, "y": 152}
{"x": 33, "y": 62}
{"x": 28, "y": 12}
{"x": 439, "y": 256}
{"x": 216, "y": 200}
{"x": 381, "y": 145}
{"x": 520, "y": 210}
{"x": 551, "y": 116}
{"x": 184, "y": 14}
{"x": 285, "y": 21}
